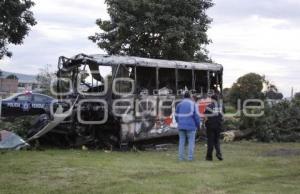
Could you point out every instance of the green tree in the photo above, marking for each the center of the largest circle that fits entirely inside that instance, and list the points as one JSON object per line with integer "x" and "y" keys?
{"x": 281, "y": 122}
{"x": 15, "y": 22}
{"x": 249, "y": 86}
{"x": 44, "y": 78}
{"x": 163, "y": 29}
{"x": 272, "y": 91}
{"x": 274, "y": 95}
{"x": 12, "y": 76}
{"x": 297, "y": 96}
{"x": 226, "y": 95}
{"x": 0, "y": 73}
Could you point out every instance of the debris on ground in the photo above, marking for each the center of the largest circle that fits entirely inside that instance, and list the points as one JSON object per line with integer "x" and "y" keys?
{"x": 232, "y": 135}
{"x": 164, "y": 147}
{"x": 11, "y": 141}
{"x": 157, "y": 147}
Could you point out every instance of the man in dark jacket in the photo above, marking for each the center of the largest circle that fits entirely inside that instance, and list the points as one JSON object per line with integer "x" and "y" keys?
{"x": 214, "y": 120}
{"x": 188, "y": 120}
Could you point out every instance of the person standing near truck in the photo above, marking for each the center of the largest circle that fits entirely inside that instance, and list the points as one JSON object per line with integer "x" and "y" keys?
{"x": 188, "y": 120}
{"x": 214, "y": 120}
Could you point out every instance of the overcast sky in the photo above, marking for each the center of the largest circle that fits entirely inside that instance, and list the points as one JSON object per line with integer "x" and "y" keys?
{"x": 261, "y": 36}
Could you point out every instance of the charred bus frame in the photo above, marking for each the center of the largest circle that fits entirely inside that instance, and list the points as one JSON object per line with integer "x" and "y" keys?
{"x": 152, "y": 78}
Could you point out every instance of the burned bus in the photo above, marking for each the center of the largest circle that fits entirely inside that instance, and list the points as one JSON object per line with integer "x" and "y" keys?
{"x": 120, "y": 100}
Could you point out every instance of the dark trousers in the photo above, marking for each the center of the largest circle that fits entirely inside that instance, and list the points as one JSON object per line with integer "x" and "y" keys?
{"x": 213, "y": 141}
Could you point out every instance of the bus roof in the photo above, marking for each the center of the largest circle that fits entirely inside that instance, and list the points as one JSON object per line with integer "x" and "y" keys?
{"x": 108, "y": 60}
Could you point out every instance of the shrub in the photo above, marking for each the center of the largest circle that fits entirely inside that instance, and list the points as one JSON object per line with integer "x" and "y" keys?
{"x": 280, "y": 123}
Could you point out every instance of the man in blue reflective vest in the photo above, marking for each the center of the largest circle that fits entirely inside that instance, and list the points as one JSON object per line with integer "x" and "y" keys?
{"x": 188, "y": 120}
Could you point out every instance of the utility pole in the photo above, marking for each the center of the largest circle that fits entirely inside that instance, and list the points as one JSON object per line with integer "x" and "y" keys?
{"x": 292, "y": 93}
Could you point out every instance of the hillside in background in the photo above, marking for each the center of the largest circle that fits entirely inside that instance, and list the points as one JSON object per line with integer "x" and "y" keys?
{"x": 22, "y": 77}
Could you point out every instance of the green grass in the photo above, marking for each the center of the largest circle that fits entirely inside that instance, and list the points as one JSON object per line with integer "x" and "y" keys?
{"x": 244, "y": 170}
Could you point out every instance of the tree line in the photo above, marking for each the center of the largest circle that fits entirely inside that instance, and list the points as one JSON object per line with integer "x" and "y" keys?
{"x": 162, "y": 29}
